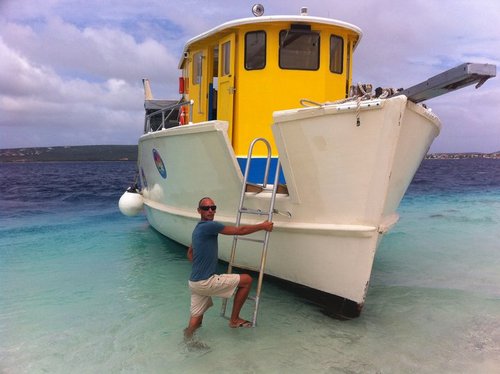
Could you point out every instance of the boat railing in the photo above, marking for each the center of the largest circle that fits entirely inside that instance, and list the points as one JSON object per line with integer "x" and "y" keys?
{"x": 151, "y": 124}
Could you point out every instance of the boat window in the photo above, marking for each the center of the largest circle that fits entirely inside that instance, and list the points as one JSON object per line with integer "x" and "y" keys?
{"x": 336, "y": 54}
{"x": 198, "y": 67}
{"x": 255, "y": 50}
{"x": 299, "y": 50}
{"x": 226, "y": 58}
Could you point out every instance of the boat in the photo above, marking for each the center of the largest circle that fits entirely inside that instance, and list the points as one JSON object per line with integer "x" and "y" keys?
{"x": 344, "y": 154}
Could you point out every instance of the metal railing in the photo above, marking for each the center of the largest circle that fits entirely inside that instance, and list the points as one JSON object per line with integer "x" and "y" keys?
{"x": 166, "y": 113}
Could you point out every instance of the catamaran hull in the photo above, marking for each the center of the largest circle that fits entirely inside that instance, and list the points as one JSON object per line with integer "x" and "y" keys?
{"x": 347, "y": 167}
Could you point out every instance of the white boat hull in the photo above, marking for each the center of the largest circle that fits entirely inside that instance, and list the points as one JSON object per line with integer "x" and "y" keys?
{"x": 345, "y": 180}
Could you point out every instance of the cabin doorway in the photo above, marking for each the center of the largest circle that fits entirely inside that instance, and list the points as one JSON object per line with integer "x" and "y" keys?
{"x": 226, "y": 89}
{"x": 213, "y": 85}
{"x": 199, "y": 86}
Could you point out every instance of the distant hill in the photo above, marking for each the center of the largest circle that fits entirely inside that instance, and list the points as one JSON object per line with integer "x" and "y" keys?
{"x": 456, "y": 156}
{"x": 70, "y": 153}
{"x": 129, "y": 152}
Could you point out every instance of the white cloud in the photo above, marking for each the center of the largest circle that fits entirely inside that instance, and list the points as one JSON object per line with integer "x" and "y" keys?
{"x": 83, "y": 85}
{"x": 70, "y": 70}
{"x": 39, "y": 107}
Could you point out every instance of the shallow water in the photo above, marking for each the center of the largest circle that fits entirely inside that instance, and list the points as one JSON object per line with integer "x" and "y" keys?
{"x": 85, "y": 289}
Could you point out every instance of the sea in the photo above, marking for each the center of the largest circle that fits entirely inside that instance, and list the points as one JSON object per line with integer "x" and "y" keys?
{"x": 84, "y": 289}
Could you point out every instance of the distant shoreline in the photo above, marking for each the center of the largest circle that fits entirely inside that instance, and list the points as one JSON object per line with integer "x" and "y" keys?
{"x": 461, "y": 156}
{"x": 70, "y": 153}
{"x": 129, "y": 153}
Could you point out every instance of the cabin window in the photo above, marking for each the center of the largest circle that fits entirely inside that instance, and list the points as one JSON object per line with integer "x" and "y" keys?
{"x": 299, "y": 50}
{"x": 255, "y": 50}
{"x": 336, "y": 54}
{"x": 226, "y": 58}
{"x": 198, "y": 67}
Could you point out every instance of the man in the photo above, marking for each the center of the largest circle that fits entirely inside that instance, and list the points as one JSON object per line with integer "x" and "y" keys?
{"x": 204, "y": 282}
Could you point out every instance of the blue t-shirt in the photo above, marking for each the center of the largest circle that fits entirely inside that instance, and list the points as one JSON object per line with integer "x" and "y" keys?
{"x": 205, "y": 249}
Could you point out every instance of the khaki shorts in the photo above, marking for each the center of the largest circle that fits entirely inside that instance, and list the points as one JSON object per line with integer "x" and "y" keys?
{"x": 222, "y": 285}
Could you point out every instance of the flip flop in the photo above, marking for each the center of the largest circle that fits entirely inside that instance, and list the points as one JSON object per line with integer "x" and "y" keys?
{"x": 241, "y": 324}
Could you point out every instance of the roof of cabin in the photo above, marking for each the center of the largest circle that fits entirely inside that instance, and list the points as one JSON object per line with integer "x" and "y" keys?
{"x": 269, "y": 19}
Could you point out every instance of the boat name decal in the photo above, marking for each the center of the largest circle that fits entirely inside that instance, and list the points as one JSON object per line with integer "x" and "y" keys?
{"x": 159, "y": 164}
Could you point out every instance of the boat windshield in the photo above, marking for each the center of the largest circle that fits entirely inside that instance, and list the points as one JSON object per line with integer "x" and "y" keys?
{"x": 299, "y": 50}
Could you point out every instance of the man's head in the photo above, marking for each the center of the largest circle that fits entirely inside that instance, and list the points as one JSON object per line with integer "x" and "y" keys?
{"x": 206, "y": 208}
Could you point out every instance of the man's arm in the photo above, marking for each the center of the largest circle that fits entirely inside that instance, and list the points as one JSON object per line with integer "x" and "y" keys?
{"x": 247, "y": 229}
{"x": 190, "y": 253}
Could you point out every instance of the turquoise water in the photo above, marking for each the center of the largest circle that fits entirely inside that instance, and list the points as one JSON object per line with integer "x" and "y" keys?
{"x": 84, "y": 289}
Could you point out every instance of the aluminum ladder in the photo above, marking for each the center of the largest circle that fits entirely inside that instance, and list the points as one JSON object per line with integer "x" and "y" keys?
{"x": 269, "y": 213}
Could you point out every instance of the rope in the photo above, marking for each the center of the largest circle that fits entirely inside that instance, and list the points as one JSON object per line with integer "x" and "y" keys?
{"x": 358, "y": 110}
{"x": 358, "y": 93}
{"x": 306, "y": 102}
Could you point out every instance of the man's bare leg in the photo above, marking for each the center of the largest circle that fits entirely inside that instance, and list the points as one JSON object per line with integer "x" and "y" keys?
{"x": 194, "y": 323}
{"x": 239, "y": 299}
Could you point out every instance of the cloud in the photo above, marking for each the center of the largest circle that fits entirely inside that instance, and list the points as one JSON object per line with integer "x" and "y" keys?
{"x": 93, "y": 53}
{"x": 38, "y": 105}
{"x": 75, "y": 82}
{"x": 70, "y": 70}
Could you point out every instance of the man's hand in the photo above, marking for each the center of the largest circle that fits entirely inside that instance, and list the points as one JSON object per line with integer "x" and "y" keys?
{"x": 267, "y": 226}
{"x": 247, "y": 229}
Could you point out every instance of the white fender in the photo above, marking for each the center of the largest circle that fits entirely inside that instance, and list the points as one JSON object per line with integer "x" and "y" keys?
{"x": 130, "y": 203}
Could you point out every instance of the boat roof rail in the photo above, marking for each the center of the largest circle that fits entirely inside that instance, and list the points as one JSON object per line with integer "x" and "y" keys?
{"x": 231, "y": 25}
{"x": 450, "y": 80}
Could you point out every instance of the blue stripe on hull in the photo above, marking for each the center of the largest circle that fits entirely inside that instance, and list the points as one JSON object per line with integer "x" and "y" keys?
{"x": 258, "y": 168}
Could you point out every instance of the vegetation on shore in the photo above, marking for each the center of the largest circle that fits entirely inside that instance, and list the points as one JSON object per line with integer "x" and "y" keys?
{"x": 129, "y": 153}
{"x": 70, "y": 153}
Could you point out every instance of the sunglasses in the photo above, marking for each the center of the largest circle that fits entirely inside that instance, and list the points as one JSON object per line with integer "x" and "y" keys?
{"x": 207, "y": 207}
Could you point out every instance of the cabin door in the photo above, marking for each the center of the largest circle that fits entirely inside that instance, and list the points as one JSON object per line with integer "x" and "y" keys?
{"x": 199, "y": 86}
{"x": 225, "y": 95}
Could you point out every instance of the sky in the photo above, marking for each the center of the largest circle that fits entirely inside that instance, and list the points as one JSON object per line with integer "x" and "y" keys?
{"x": 71, "y": 70}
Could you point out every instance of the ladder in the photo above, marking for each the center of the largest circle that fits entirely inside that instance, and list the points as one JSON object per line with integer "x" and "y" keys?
{"x": 269, "y": 213}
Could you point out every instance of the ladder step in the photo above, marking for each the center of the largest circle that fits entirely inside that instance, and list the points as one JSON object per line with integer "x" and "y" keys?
{"x": 251, "y": 240}
{"x": 257, "y": 188}
{"x": 254, "y": 211}
{"x": 252, "y": 187}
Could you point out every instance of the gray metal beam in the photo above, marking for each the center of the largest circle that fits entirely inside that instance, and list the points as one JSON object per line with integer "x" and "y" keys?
{"x": 450, "y": 80}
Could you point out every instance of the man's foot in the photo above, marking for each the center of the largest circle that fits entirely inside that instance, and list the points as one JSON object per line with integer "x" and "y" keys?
{"x": 188, "y": 334}
{"x": 192, "y": 343}
{"x": 240, "y": 323}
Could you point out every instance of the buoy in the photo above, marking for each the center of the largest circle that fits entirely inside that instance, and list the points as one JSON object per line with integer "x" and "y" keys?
{"x": 131, "y": 202}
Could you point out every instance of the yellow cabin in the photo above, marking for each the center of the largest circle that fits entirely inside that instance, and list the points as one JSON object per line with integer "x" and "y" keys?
{"x": 244, "y": 70}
